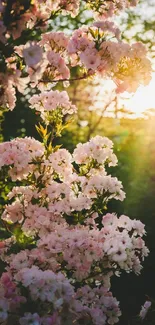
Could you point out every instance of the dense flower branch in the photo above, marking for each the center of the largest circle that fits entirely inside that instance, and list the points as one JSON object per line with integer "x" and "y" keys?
{"x": 92, "y": 50}
{"x": 65, "y": 241}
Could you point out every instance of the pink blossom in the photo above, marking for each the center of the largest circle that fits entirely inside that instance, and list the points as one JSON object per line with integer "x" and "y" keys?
{"x": 52, "y": 100}
{"x": 144, "y": 310}
{"x": 32, "y": 54}
{"x": 3, "y": 309}
{"x": 108, "y": 26}
{"x": 90, "y": 59}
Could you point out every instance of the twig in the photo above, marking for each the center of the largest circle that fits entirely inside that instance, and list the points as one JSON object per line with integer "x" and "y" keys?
{"x": 85, "y": 76}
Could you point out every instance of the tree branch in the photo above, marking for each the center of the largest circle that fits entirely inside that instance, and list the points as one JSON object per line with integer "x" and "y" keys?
{"x": 85, "y": 76}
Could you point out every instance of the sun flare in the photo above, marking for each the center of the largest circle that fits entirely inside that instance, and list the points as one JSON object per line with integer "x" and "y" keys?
{"x": 139, "y": 102}
{"x": 143, "y": 99}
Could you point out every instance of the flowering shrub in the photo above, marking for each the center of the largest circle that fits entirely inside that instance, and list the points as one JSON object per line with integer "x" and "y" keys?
{"x": 62, "y": 249}
{"x": 68, "y": 249}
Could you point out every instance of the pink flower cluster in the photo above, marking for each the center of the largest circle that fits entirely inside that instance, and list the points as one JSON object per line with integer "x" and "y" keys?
{"x": 61, "y": 213}
{"x": 56, "y": 293}
{"x": 46, "y": 60}
{"x": 118, "y": 244}
{"x": 98, "y": 149}
{"x": 99, "y": 304}
{"x": 19, "y": 153}
{"x": 106, "y": 9}
{"x": 126, "y": 65}
{"x": 46, "y": 285}
{"x": 10, "y": 296}
{"x": 9, "y": 81}
{"x": 64, "y": 189}
{"x": 113, "y": 245}
{"x": 40, "y": 11}
{"x": 78, "y": 249}
{"x": 89, "y": 48}
{"x": 49, "y": 101}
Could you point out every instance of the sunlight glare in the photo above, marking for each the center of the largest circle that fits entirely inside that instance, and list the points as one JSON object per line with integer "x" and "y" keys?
{"x": 143, "y": 99}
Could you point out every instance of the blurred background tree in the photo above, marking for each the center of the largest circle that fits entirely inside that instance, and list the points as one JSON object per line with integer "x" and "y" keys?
{"x": 138, "y": 25}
